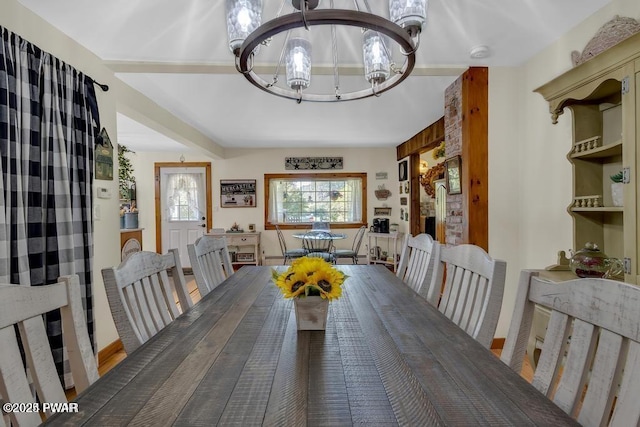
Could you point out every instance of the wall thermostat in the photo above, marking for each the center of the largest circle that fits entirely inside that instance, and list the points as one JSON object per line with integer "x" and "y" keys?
{"x": 103, "y": 193}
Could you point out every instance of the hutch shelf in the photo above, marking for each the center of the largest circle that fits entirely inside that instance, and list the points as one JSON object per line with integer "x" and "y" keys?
{"x": 604, "y": 101}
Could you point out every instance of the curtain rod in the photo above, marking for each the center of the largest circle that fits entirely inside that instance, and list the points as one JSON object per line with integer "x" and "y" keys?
{"x": 102, "y": 86}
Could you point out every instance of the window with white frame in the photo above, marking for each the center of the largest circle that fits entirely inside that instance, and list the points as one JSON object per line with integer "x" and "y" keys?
{"x": 294, "y": 200}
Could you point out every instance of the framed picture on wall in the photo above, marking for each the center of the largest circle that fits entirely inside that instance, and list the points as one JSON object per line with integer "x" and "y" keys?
{"x": 403, "y": 170}
{"x": 453, "y": 174}
{"x": 238, "y": 193}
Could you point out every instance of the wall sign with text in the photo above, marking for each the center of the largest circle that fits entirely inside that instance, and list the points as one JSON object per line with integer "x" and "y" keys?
{"x": 319, "y": 163}
{"x": 237, "y": 193}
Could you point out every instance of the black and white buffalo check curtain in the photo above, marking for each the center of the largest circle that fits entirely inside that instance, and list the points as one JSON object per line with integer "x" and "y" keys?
{"x": 48, "y": 122}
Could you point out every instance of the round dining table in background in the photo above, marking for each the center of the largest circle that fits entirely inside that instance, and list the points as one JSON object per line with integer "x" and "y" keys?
{"x": 320, "y": 236}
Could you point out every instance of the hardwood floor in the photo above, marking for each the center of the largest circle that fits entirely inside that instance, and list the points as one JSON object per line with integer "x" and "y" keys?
{"x": 117, "y": 357}
{"x": 527, "y": 369}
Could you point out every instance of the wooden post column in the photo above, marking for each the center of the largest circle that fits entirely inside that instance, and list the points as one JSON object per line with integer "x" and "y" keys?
{"x": 475, "y": 155}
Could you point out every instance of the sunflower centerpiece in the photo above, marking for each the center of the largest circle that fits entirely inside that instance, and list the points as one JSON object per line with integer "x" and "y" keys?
{"x": 312, "y": 283}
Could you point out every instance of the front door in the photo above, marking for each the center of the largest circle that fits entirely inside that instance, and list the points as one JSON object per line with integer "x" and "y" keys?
{"x": 183, "y": 205}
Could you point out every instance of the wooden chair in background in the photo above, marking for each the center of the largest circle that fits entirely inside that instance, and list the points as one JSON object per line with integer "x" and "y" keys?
{"x": 210, "y": 261}
{"x": 473, "y": 290}
{"x": 24, "y": 306}
{"x": 141, "y": 295}
{"x": 419, "y": 266}
{"x": 590, "y": 360}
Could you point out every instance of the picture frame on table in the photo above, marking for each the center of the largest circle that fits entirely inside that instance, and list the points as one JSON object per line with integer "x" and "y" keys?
{"x": 238, "y": 193}
{"x": 403, "y": 170}
{"x": 453, "y": 174}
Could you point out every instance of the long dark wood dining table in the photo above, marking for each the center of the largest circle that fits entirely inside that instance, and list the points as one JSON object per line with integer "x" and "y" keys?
{"x": 387, "y": 357}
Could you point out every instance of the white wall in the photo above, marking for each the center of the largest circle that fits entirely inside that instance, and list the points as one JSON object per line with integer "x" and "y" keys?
{"x": 529, "y": 175}
{"x": 253, "y": 164}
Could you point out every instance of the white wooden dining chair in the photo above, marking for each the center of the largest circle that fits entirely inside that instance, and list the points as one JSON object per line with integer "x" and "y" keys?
{"x": 24, "y": 306}
{"x": 590, "y": 360}
{"x": 210, "y": 261}
{"x": 420, "y": 267}
{"x": 142, "y": 297}
{"x": 473, "y": 290}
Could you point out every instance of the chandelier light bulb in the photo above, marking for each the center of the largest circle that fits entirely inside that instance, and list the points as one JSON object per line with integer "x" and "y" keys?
{"x": 243, "y": 17}
{"x": 298, "y": 61}
{"x": 377, "y": 64}
{"x": 409, "y": 14}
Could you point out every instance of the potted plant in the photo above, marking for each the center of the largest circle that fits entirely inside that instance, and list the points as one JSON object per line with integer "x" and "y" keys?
{"x": 617, "y": 195}
{"x": 311, "y": 282}
{"x": 126, "y": 184}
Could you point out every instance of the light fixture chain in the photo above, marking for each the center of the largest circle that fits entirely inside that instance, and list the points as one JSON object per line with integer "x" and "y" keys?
{"x": 334, "y": 48}
{"x": 277, "y": 72}
{"x": 281, "y": 7}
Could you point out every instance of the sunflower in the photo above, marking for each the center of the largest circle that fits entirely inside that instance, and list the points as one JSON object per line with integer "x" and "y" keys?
{"x": 292, "y": 283}
{"x": 328, "y": 281}
{"x": 310, "y": 276}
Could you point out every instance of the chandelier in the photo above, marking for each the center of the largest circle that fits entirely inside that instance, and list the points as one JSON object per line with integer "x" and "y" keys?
{"x": 278, "y": 57}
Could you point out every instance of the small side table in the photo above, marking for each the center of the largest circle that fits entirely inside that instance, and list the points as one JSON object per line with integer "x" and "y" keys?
{"x": 390, "y": 243}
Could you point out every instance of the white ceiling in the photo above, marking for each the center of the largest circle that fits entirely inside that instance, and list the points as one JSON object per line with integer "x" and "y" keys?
{"x": 144, "y": 40}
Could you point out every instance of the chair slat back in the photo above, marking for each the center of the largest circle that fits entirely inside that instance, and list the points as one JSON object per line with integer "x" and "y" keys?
{"x": 419, "y": 266}
{"x": 210, "y": 261}
{"x": 24, "y": 306}
{"x": 142, "y": 297}
{"x": 473, "y": 290}
{"x": 590, "y": 360}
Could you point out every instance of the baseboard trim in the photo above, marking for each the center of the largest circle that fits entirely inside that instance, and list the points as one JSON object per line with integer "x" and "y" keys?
{"x": 497, "y": 343}
{"x": 109, "y": 351}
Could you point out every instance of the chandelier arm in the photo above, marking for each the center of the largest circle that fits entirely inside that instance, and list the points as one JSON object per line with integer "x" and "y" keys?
{"x": 304, "y": 6}
{"x": 239, "y": 69}
{"x": 373, "y": 89}
{"x": 328, "y": 17}
{"x": 415, "y": 49}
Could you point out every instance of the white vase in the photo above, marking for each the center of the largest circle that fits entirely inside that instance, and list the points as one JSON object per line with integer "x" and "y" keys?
{"x": 617, "y": 195}
{"x": 311, "y": 313}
